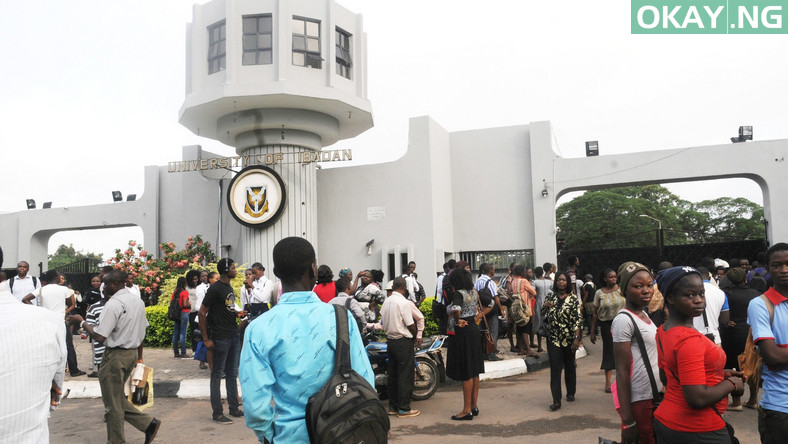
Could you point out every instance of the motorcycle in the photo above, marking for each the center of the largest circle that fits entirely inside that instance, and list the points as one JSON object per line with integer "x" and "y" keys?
{"x": 428, "y": 366}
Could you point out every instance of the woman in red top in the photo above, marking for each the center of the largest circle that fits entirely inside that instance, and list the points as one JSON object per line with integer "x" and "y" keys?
{"x": 179, "y": 332}
{"x": 325, "y": 289}
{"x": 690, "y": 366}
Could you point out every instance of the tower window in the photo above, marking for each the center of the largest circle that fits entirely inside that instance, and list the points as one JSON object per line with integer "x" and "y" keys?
{"x": 344, "y": 61}
{"x": 257, "y": 40}
{"x": 306, "y": 43}
{"x": 217, "y": 49}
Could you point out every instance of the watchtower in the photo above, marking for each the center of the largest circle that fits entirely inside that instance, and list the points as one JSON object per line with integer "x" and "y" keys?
{"x": 277, "y": 79}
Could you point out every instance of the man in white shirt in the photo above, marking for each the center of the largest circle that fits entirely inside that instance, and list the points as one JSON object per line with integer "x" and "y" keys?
{"x": 34, "y": 356}
{"x": 397, "y": 320}
{"x": 53, "y": 297}
{"x": 23, "y": 286}
{"x": 410, "y": 281}
{"x": 260, "y": 295}
{"x": 133, "y": 288}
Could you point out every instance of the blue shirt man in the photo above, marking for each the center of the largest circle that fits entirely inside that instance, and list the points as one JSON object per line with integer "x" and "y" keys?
{"x": 288, "y": 352}
{"x": 771, "y": 337}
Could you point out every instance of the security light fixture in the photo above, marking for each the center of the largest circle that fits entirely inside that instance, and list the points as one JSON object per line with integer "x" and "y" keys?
{"x": 47, "y": 204}
{"x": 117, "y": 196}
{"x": 592, "y": 148}
{"x": 745, "y": 134}
{"x": 544, "y": 190}
{"x": 131, "y": 198}
{"x": 31, "y": 204}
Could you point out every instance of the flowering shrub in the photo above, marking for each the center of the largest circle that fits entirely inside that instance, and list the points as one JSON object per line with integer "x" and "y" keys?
{"x": 151, "y": 273}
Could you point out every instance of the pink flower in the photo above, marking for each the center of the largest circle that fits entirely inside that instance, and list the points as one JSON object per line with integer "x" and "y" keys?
{"x": 143, "y": 253}
{"x": 147, "y": 289}
{"x": 158, "y": 280}
{"x": 132, "y": 243}
{"x": 190, "y": 237}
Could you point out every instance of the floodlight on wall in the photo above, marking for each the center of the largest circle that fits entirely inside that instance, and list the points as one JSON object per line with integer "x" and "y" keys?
{"x": 47, "y": 204}
{"x": 369, "y": 247}
{"x": 544, "y": 190}
{"x": 31, "y": 204}
{"x": 131, "y": 198}
{"x": 592, "y": 148}
{"x": 745, "y": 134}
{"x": 117, "y": 196}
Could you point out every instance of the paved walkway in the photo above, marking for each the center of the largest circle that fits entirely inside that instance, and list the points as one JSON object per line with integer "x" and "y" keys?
{"x": 183, "y": 378}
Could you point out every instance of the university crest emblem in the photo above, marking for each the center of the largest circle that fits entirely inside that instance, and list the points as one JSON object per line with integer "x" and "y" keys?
{"x": 257, "y": 196}
{"x": 256, "y": 201}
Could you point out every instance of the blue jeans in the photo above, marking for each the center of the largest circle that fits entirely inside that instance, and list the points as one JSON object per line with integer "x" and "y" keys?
{"x": 226, "y": 355}
{"x": 179, "y": 333}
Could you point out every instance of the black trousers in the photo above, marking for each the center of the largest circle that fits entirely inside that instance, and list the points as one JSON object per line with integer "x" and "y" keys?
{"x": 561, "y": 358}
{"x": 71, "y": 354}
{"x": 772, "y": 426}
{"x": 192, "y": 326}
{"x": 401, "y": 373}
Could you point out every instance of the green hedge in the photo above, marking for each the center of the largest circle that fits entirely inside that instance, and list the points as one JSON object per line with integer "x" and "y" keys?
{"x": 160, "y": 327}
{"x": 430, "y": 323}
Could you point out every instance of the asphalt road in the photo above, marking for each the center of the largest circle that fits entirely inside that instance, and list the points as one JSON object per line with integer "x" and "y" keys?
{"x": 513, "y": 410}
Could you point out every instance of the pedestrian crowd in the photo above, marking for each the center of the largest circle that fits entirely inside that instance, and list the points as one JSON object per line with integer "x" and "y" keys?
{"x": 674, "y": 337}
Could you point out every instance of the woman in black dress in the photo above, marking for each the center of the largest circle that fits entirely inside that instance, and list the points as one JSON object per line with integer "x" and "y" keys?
{"x": 464, "y": 358}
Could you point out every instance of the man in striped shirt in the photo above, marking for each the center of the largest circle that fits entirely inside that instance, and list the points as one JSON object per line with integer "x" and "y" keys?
{"x": 92, "y": 318}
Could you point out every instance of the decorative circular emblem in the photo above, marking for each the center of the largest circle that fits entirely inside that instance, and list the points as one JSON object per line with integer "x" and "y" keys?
{"x": 256, "y": 196}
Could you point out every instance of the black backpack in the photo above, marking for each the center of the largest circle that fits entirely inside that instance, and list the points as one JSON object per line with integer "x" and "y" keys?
{"x": 174, "y": 311}
{"x": 347, "y": 408}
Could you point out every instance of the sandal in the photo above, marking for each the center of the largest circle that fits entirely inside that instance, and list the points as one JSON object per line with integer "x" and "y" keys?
{"x": 751, "y": 406}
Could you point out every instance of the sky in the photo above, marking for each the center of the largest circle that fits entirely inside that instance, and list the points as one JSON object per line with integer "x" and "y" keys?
{"x": 91, "y": 89}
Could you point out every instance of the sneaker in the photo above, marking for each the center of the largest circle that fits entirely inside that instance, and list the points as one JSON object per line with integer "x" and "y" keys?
{"x": 408, "y": 413}
{"x": 221, "y": 419}
{"x": 78, "y": 373}
{"x": 237, "y": 413}
{"x": 203, "y": 366}
{"x": 392, "y": 413}
{"x": 152, "y": 430}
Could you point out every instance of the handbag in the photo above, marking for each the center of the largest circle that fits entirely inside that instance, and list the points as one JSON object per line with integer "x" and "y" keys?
{"x": 489, "y": 344}
{"x": 519, "y": 311}
{"x": 201, "y": 353}
{"x": 657, "y": 395}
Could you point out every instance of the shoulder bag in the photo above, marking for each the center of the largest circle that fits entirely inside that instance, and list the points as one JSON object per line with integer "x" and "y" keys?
{"x": 488, "y": 342}
{"x": 657, "y": 395}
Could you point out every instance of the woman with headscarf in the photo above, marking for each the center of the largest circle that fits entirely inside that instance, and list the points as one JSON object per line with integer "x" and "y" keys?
{"x": 691, "y": 367}
{"x": 634, "y": 370}
{"x": 561, "y": 313}
{"x": 608, "y": 301}
{"x": 347, "y": 273}
{"x": 734, "y": 334}
{"x": 464, "y": 356}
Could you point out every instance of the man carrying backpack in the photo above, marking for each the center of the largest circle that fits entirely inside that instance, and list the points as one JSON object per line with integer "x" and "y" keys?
{"x": 288, "y": 352}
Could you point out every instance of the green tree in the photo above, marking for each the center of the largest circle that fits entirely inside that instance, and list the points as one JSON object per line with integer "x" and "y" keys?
{"x": 67, "y": 254}
{"x": 611, "y": 218}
